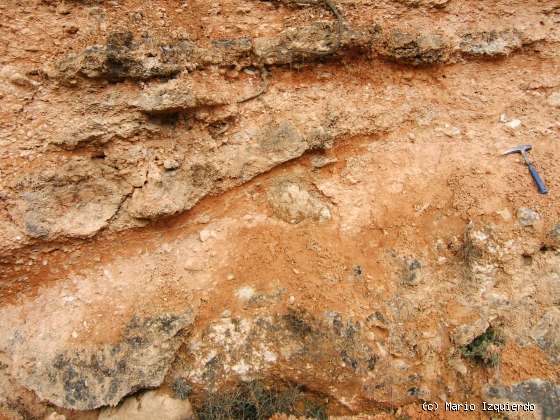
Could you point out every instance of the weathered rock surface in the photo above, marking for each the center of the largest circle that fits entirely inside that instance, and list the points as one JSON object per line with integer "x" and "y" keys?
{"x": 544, "y": 394}
{"x": 148, "y": 406}
{"x": 76, "y": 200}
{"x": 492, "y": 43}
{"x": 91, "y": 377}
{"x": 124, "y": 58}
{"x": 527, "y": 217}
{"x": 415, "y": 48}
{"x": 547, "y": 333}
{"x": 99, "y": 131}
{"x": 309, "y": 42}
{"x": 295, "y": 343}
{"x": 293, "y": 203}
{"x": 319, "y": 179}
{"x": 175, "y": 96}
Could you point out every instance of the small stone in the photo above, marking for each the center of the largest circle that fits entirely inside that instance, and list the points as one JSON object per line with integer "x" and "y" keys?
{"x": 291, "y": 300}
{"x": 412, "y": 272}
{"x": 203, "y": 219}
{"x": 74, "y": 334}
{"x": 505, "y": 213}
{"x": 20, "y": 80}
{"x": 451, "y": 131}
{"x": 466, "y": 333}
{"x": 320, "y": 161}
{"x": 71, "y": 29}
{"x": 514, "y": 124}
{"x": 292, "y": 202}
{"x": 230, "y": 276}
{"x": 206, "y": 234}
{"x": 458, "y": 366}
{"x": 527, "y": 217}
{"x": 250, "y": 71}
{"x": 171, "y": 164}
{"x": 232, "y": 74}
{"x": 245, "y": 293}
{"x": 554, "y": 99}
{"x": 243, "y": 10}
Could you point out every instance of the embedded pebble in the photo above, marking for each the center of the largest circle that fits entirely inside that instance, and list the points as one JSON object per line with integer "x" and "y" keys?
{"x": 527, "y": 217}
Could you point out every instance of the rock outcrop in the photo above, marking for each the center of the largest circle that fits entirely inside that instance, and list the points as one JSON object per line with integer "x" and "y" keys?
{"x": 289, "y": 207}
{"x": 91, "y": 377}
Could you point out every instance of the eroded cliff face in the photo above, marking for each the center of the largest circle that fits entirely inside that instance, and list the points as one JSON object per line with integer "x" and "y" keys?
{"x": 197, "y": 195}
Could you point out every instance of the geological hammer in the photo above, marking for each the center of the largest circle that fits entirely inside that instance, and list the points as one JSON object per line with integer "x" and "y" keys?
{"x": 523, "y": 149}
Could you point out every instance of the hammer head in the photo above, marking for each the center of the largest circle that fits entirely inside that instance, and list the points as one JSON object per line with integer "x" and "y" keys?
{"x": 519, "y": 149}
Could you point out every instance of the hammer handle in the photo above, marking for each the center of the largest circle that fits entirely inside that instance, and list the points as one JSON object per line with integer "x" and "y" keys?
{"x": 538, "y": 179}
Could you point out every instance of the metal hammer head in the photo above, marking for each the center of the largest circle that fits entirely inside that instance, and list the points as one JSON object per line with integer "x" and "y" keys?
{"x": 519, "y": 149}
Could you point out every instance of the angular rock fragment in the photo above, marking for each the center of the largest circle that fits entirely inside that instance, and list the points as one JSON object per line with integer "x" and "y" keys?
{"x": 91, "y": 377}
{"x": 412, "y": 273}
{"x": 124, "y": 58}
{"x": 415, "y": 48}
{"x": 479, "y": 252}
{"x": 76, "y": 199}
{"x": 491, "y": 43}
{"x": 293, "y": 203}
{"x": 547, "y": 333}
{"x": 320, "y": 161}
{"x": 99, "y": 131}
{"x": 149, "y": 405}
{"x": 527, "y": 217}
{"x": 183, "y": 95}
{"x": 294, "y": 343}
{"x": 169, "y": 192}
{"x": 554, "y": 99}
{"x": 308, "y": 42}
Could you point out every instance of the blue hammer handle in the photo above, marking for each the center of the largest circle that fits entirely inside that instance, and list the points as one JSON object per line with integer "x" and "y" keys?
{"x": 537, "y": 178}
